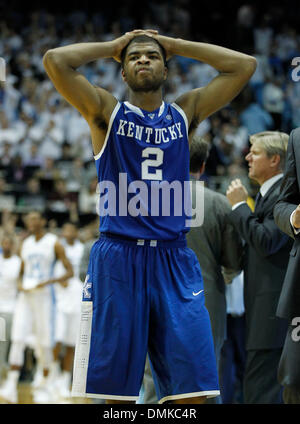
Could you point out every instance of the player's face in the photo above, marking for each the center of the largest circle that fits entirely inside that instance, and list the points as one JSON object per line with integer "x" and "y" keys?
{"x": 6, "y": 245}
{"x": 144, "y": 68}
{"x": 34, "y": 222}
{"x": 69, "y": 232}
{"x": 259, "y": 163}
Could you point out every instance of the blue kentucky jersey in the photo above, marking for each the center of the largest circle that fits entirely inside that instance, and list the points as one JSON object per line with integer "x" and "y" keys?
{"x": 143, "y": 173}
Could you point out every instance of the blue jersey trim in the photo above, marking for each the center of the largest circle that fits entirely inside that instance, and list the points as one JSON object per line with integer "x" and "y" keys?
{"x": 111, "y": 120}
{"x": 182, "y": 113}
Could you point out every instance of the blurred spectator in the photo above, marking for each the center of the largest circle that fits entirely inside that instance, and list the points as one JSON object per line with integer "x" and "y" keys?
{"x": 293, "y": 97}
{"x": 7, "y": 199}
{"x": 262, "y": 73}
{"x": 76, "y": 175}
{"x": 273, "y": 101}
{"x": 60, "y": 202}
{"x": 34, "y": 158}
{"x": 47, "y": 174}
{"x": 16, "y": 174}
{"x": 88, "y": 197}
{"x": 33, "y": 198}
{"x": 6, "y": 155}
{"x": 8, "y": 133}
{"x": 66, "y": 153}
{"x": 263, "y": 36}
{"x": 244, "y": 24}
{"x": 252, "y": 115}
{"x": 286, "y": 44}
{"x": 51, "y": 140}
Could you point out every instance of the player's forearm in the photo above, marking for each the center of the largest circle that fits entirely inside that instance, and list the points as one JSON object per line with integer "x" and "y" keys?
{"x": 75, "y": 55}
{"x": 223, "y": 59}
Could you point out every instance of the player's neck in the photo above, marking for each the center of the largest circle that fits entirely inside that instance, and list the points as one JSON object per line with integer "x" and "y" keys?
{"x": 7, "y": 255}
{"x": 39, "y": 234}
{"x": 146, "y": 100}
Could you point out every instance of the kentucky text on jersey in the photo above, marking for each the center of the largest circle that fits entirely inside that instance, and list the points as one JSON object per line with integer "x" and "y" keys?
{"x": 156, "y": 135}
{"x": 143, "y": 171}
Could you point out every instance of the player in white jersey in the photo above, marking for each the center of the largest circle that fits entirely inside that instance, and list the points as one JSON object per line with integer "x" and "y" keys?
{"x": 10, "y": 265}
{"x": 67, "y": 313}
{"x": 33, "y": 310}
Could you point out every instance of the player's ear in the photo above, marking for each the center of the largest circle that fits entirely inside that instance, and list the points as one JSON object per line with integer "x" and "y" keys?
{"x": 165, "y": 73}
{"x": 123, "y": 75}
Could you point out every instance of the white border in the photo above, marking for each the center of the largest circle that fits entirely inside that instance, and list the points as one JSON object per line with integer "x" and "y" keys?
{"x": 182, "y": 113}
{"x": 112, "y": 117}
{"x": 135, "y": 109}
{"x": 209, "y": 394}
{"x": 97, "y": 396}
{"x": 82, "y": 350}
{"x": 161, "y": 109}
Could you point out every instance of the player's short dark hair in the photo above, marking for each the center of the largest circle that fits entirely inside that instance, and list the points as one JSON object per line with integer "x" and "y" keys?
{"x": 37, "y": 211}
{"x": 70, "y": 223}
{"x": 199, "y": 150}
{"x": 143, "y": 39}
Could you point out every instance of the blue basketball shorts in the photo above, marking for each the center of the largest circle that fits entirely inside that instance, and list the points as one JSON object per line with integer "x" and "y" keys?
{"x": 138, "y": 297}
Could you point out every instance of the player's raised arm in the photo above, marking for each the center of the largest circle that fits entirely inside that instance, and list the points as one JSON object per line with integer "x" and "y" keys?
{"x": 235, "y": 70}
{"x": 94, "y": 103}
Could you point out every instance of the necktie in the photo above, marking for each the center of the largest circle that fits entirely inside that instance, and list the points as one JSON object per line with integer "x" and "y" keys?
{"x": 257, "y": 200}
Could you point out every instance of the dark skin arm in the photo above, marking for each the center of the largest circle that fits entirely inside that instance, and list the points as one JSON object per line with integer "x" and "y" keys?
{"x": 235, "y": 70}
{"x": 60, "y": 255}
{"x": 94, "y": 103}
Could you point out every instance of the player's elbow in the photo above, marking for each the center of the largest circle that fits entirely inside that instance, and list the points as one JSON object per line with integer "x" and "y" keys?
{"x": 50, "y": 59}
{"x": 249, "y": 66}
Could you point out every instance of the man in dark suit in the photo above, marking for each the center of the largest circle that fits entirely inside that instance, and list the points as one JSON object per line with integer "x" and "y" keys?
{"x": 217, "y": 245}
{"x": 287, "y": 217}
{"x": 266, "y": 256}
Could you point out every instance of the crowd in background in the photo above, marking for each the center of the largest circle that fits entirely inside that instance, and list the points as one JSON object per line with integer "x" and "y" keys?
{"x": 46, "y": 159}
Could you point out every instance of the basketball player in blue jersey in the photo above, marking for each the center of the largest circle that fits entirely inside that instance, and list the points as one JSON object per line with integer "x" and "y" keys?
{"x": 143, "y": 290}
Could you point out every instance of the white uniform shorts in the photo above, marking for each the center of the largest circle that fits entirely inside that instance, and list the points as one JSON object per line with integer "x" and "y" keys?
{"x": 66, "y": 327}
{"x": 33, "y": 316}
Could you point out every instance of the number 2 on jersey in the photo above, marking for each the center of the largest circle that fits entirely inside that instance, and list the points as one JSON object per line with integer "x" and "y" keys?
{"x": 146, "y": 174}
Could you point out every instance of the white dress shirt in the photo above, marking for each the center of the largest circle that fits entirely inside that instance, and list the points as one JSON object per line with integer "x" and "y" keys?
{"x": 263, "y": 189}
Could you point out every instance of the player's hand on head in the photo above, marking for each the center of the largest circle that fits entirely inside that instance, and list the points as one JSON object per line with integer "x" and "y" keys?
{"x": 122, "y": 41}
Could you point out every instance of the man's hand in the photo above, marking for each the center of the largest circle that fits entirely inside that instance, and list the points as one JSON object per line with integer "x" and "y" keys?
{"x": 64, "y": 283}
{"x": 121, "y": 42}
{"x": 236, "y": 192}
{"x": 296, "y": 217}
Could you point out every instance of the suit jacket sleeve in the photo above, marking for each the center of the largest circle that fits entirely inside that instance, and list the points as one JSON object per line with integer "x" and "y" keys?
{"x": 289, "y": 193}
{"x": 265, "y": 237}
{"x": 232, "y": 245}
